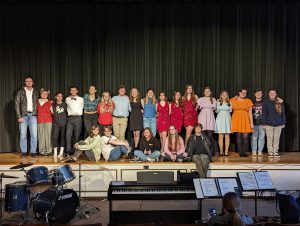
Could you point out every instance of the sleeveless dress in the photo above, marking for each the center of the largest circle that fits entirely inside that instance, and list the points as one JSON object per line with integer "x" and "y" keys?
{"x": 163, "y": 118}
{"x": 176, "y": 117}
{"x": 189, "y": 113}
{"x": 223, "y": 120}
{"x": 136, "y": 116}
{"x": 206, "y": 115}
{"x": 240, "y": 116}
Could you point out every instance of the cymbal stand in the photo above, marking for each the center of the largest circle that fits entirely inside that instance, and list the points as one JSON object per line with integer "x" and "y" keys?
{"x": 1, "y": 201}
{"x": 81, "y": 212}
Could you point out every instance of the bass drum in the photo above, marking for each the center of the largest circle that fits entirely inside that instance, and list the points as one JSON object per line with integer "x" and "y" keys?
{"x": 56, "y": 206}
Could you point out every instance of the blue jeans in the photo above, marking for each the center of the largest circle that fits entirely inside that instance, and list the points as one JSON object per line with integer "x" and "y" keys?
{"x": 151, "y": 123}
{"x": 116, "y": 153}
{"x": 31, "y": 122}
{"x": 258, "y": 138}
{"x": 143, "y": 157}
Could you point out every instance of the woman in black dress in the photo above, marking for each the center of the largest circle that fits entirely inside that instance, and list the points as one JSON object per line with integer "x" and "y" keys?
{"x": 136, "y": 115}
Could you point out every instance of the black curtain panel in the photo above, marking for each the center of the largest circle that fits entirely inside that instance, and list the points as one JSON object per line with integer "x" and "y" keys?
{"x": 159, "y": 44}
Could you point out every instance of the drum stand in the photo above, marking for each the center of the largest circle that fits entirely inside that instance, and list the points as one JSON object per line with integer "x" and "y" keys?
{"x": 82, "y": 213}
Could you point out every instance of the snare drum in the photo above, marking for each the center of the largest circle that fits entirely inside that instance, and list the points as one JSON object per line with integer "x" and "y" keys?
{"x": 16, "y": 197}
{"x": 38, "y": 179}
{"x": 63, "y": 175}
{"x": 59, "y": 206}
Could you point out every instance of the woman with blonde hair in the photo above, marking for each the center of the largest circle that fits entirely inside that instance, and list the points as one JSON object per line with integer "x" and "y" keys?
{"x": 105, "y": 109}
{"x": 231, "y": 212}
{"x": 189, "y": 101}
{"x": 223, "y": 121}
{"x": 149, "y": 105}
{"x": 136, "y": 115}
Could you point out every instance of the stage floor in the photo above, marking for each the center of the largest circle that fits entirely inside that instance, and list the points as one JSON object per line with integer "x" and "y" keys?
{"x": 233, "y": 158}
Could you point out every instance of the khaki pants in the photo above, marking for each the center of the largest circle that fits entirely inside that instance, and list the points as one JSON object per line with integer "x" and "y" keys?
{"x": 273, "y": 137}
{"x": 44, "y": 138}
{"x": 202, "y": 164}
{"x": 119, "y": 127}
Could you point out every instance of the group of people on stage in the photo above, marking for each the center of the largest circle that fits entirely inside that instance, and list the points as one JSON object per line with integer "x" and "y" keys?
{"x": 57, "y": 125}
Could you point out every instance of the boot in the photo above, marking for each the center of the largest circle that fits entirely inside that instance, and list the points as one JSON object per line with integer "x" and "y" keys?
{"x": 55, "y": 152}
{"x": 61, "y": 153}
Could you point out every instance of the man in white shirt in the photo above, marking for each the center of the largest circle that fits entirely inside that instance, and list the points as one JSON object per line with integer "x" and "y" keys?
{"x": 112, "y": 147}
{"x": 26, "y": 109}
{"x": 74, "y": 121}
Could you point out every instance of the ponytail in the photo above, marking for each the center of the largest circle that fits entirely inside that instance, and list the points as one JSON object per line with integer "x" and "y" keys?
{"x": 236, "y": 219}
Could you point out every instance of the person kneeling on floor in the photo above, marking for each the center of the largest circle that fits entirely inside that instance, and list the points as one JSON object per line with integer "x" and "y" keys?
{"x": 112, "y": 147}
{"x": 148, "y": 147}
{"x": 199, "y": 150}
{"x": 91, "y": 146}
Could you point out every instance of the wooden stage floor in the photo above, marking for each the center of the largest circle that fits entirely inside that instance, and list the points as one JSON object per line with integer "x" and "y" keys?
{"x": 233, "y": 158}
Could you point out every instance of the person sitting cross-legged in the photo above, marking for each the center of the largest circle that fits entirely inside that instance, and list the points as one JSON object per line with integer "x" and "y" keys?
{"x": 149, "y": 147}
{"x": 112, "y": 147}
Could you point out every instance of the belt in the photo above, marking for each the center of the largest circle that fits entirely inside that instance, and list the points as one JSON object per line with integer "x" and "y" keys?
{"x": 119, "y": 116}
{"x": 73, "y": 116}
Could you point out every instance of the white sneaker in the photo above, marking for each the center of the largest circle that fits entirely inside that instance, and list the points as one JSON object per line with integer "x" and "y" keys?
{"x": 270, "y": 155}
{"x": 260, "y": 153}
{"x": 276, "y": 155}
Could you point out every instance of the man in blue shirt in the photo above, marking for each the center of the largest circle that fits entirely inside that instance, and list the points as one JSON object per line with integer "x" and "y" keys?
{"x": 121, "y": 113}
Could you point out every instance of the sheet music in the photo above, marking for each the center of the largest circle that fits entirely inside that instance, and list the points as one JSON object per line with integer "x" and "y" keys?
{"x": 248, "y": 181}
{"x": 198, "y": 188}
{"x": 263, "y": 180}
{"x": 209, "y": 187}
{"x": 227, "y": 185}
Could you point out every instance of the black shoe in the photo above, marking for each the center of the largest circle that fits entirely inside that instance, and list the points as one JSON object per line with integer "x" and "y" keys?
{"x": 34, "y": 155}
{"x": 23, "y": 155}
{"x": 130, "y": 155}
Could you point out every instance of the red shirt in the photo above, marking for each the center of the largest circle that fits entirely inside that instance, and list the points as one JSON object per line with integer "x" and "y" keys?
{"x": 105, "y": 118}
{"x": 44, "y": 114}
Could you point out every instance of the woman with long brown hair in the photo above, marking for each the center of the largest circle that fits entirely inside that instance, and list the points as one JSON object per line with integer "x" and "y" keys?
{"x": 273, "y": 121}
{"x": 231, "y": 205}
{"x": 189, "y": 101}
{"x": 174, "y": 146}
{"x": 176, "y": 113}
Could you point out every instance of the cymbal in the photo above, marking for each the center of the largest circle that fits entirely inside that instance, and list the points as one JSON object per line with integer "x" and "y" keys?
{"x": 2, "y": 175}
{"x": 21, "y": 165}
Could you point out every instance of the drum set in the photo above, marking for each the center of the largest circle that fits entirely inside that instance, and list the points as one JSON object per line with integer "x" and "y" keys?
{"x": 45, "y": 191}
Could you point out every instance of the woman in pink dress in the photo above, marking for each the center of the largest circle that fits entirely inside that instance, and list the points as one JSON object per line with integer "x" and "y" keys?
{"x": 163, "y": 118}
{"x": 208, "y": 105}
{"x": 189, "y": 110}
{"x": 176, "y": 111}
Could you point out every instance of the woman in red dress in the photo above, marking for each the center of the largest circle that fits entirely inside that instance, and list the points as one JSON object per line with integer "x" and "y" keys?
{"x": 190, "y": 115}
{"x": 163, "y": 118}
{"x": 176, "y": 111}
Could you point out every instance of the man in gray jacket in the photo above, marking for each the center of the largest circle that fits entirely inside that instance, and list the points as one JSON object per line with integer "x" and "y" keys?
{"x": 26, "y": 109}
{"x": 199, "y": 150}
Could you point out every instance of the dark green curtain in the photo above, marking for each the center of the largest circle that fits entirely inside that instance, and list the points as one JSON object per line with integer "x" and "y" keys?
{"x": 159, "y": 44}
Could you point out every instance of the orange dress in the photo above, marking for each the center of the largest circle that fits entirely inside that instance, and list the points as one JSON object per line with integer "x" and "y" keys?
{"x": 240, "y": 116}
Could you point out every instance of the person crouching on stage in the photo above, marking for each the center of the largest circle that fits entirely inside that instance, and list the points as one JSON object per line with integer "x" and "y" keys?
{"x": 149, "y": 147}
{"x": 174, "y": 146}
{"x": 91, "y": 146}
{"x": 112, "y": 147}
{"x": 199, "y": 150}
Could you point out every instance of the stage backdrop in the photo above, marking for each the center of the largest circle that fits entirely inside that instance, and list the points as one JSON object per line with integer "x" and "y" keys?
{"x": 159, "y": 44}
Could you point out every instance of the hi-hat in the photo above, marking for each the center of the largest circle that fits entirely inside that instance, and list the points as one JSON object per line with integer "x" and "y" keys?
{"x": 21, "y": 165}
{"x": 2, "y": 175}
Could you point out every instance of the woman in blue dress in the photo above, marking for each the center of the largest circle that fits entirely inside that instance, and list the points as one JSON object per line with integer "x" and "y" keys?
{"x": 223, "y": 121}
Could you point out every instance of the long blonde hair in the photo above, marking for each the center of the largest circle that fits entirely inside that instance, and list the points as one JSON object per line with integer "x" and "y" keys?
{"x": 147, "y": 98}
{"x": 193, "y": 95}
{"x": 231, "y": 203}
{"x": 227, "y": 99}
{"x": 138, "y": 97}
{"x": 109, "y": 102}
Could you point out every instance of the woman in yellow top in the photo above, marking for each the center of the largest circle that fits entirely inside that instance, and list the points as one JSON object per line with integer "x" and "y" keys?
{"x": 242, "y": 121}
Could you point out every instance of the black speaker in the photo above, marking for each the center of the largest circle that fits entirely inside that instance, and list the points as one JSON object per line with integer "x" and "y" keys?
{"x": 186, "y": 178}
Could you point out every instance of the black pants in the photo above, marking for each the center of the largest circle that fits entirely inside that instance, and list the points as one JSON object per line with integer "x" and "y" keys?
{"x": 88, "y": 121}
{"x": 74, "y": 125}
{"x": 56, "y": 130}
{"x": 242, "y": 143}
